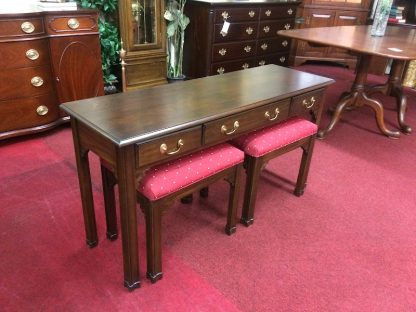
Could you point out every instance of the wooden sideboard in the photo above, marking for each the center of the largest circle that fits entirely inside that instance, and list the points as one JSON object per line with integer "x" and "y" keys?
{"x": 250, "y": 40}
{"x": 46, "y": 58}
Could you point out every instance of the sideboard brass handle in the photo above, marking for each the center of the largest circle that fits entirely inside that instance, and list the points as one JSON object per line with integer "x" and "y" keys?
{"x": 73, "y": 23}
{"x": 282, "y": 59}
{"x": 247, "y": 48}
{"x": 266, "y": 29}
{"x": 287, "y": 26}
{"x": 225, "y": 131}
{"x": 28, "y": 27}
{"x": 249, "y": 30}
{"x": 222, "y": 51}
{"x": 32, "y": 54}
{"x": 262, "y": 62}
{"x": 42, "y": 110}
{"x": 225, "y": 15}
{"x": 269, "y": 117}
{"x": 268, "y": 13}
{"x": 307, "y": 104}
{"x": 290, "y": 11}
{"x": 36, "y": 81}
{"x": 164, "y": 148}
{"x": 221, "y": 70}
{"x": 251, "y": 13}
{"x": 245, "y": 66}
{"x": 264, "y": 46}
{"x": 285, "y": 43}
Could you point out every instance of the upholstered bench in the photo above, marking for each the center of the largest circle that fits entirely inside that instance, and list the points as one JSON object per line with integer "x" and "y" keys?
{"x": 164, "y": 183}
{"x": 262, "y": 145}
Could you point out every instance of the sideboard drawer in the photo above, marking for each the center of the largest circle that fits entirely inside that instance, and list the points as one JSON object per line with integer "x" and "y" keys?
{"x": 169, "y": 146}
{"x": 226, "y": 67}
{"x": 24, "y": 53}
{"x": 228, "y": 51}
{"x": 268, "y": 46}
{"x": 308, "y": 105}
{"x": 63, "y": 24}
{"x": 281, "y": 59}
{"x": 269, "y": 29}
{"x": 22, "y": 27}
{"x": 275, "y": 12}
{"x": 236, "y": 32}
{"x": 229, "y": 127}
{"x": 236, "y": 15}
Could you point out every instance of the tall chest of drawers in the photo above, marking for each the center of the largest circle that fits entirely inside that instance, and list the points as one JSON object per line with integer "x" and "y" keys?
{"x": 225, "y": 36}
{"x": 46, "y": 58}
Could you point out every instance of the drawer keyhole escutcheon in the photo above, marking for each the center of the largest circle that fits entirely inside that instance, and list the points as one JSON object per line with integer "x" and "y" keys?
{"x": 36, "y": 81}
{"x": 264, "y": 46}
{"x": 164, "y": 148}
{"x": 282, "y": 59}
{"x": 285, "y": 43}
{"x": 221, "y": 70}
{"x": 249, "y": 30}
{"x": 251, "y": 13}
{"x": 247, "y": 49}
{"x": 262, "y": 62}
{"x": 28, "y": 27}
{"x": 222, "y": 52}
{"x": 225, "y": 15}
{"x": 225, "y": 131}
{"x": 287, "y": 26}
{"x": 32, "y": 54}
{"x": 271, "y": 118}
{"x": 266, "y": 29}
{"x": 73, "y": 23}
{"x": 42, "y": 110}
{"x": 245, "y": 66}
{"x": 268, "y": 13}
{"x": 290, "y": 11}
{"x": 307, "y": 104}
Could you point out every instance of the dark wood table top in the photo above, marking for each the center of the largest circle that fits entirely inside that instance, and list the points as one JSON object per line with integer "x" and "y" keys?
{"x": 137, "y": 116}
{"x": 397, "y": 43}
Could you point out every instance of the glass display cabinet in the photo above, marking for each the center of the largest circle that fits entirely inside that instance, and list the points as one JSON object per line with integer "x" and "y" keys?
{"x": 143, "y": 32}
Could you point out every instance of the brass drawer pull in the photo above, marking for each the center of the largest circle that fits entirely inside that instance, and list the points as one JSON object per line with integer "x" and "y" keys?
{"x": 36, "y": 81}
{"x": 307, "y": 104}
{"x": 42, "y": 110}
{"x": 264, "y": 46}
{"x": 251, "y": 13}
{"x": 268, "y": 13}
{"x": 222, "y": 51}
{"x": 249, "y": 30}
{"x": 225, "y": 15}
{"x": 290, "y": 11}
{"x": 285, "y": 43}
{"x": 245, "y": 66}
{"x": 287, "y": 26}
{"x": 32, "y": 54}
{"x": 73, "y": 23}
{"x": 269, "y": 117}
{"x": 247, "y": 49}
{"x": 262, "y": 62}
{"x": 28, "y": 27}
{"x": 164, "y": 148}
{"x": 225, "y": 131}
{"x": 282, "y": 59}
{"x": 266, "y": 29}
{"x": 221, "y": 70}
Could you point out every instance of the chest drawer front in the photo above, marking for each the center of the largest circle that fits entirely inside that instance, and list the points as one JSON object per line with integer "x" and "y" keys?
{"x": 71, "y": 24}
{"x": 228, "y": 51}
{"x": 170, "y": 146}
{"x": 226, "y": 67}
{"x": 24, "y": 27}
{"x": 269, "y": 29}
{"x": 281, "y": 59}
{"x": 28, "y": 112}
{"x": 235, "y": 125}
{"x": 308, "y": 105}
{"x": 267, "y": 46}
{"x": 24, "y": 54}
{"x": 236, "y": 31}
{"x": 236, "y": 14}
{"x": 275, "y": 12}
{"x": 24, "y": 82}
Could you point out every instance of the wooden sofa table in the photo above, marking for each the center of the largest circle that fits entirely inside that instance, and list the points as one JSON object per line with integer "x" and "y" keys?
{"x": 398, "y": 44}
{"x": 128, "y": 129}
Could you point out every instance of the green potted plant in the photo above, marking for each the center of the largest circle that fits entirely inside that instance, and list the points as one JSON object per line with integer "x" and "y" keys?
{"x": 177, "y": 22}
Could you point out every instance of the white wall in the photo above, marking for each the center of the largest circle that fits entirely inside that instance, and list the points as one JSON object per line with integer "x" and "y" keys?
{"x": 17, "y": 6}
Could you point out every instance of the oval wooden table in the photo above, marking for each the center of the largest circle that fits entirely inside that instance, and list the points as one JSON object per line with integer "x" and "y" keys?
{"x": 398, "y": 43}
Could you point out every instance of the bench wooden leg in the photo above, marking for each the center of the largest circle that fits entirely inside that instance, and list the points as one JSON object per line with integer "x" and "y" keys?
{"x": 109, "y": 181}
{"x": 304, "y": 166}
{"x": 231, "y": 227}
{"x": 253, "y": 170}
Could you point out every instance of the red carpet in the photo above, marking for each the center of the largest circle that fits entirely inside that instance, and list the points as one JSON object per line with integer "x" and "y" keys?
{"x": 347, "y": 245}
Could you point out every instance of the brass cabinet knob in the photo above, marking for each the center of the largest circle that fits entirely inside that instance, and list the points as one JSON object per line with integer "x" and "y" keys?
{"x": 32, "y": 54}
{"x": 36, "y": 81}
{"x": 73, "y": 23}
{"x": 270, "y": 117}
{"x": 285, "y": 43}
{"x": 222, "y": 51}
{"x": 164, "y": 148}
{"x": 225, "y": 131}
{"x": 262, "y": 62}
{"x": 249, "y": 30}
{"x": 27, "y": 27}
{"x": 251, "y": 13}
{"x": 268, "y": 13}
{"x": 290, "y": 11}
{"x": 247, "y": 48}
{"x": 221, "y": 70}
{"x": 264, "y": 46}
{"x": 245, "y": 66}
{"x": 309, "y": 104}
{"x": 42, "y": 110}
{"x": 225, "y": 15}
{"x": 287, "y": 26}
{"x": 266, "y": 29}
{"x": 282, "y": 59}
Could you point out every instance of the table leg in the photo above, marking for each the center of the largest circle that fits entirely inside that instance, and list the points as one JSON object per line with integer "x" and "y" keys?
{"x": 84, "y": 177}
{"x": 128, "y": 215}
{"x": 357, "y": 97}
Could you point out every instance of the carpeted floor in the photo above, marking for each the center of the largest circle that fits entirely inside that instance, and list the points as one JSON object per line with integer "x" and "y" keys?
{"x": 348, "y": 244}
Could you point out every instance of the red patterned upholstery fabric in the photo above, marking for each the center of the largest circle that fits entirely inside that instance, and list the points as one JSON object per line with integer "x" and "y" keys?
{"x": 261, "y": 142}
{"x": 167, "y": 178}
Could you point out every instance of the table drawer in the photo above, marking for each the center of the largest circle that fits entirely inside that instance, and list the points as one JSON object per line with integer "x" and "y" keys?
{"x": 236, "y": 15}
{"x": 228, "y": 51}
{"x": 28, "y": 112}
{"x": 66, "y": 24}
{"x": 274, "y": 12}
{"x": 229, "y": 127}
{"x": 176, "y": 144}
{"x": 22, "y": 27}
{"x": 281, "y": 59}
{"x": 267, "y": 46}
{"x": 308, "y": 105}
{"x": 236, "y": 32}
{"x": 24, "y": 54}
{"x": 269, "y": 29}
{"x": 226, "y": 67}
{"x": 24, "y": 82}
